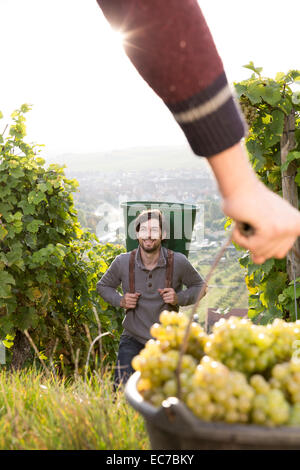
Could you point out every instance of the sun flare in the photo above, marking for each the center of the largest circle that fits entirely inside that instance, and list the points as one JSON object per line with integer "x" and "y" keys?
{"x": 116, "y": 39}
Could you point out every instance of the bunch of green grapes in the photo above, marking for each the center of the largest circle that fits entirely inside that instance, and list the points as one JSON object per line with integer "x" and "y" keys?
{"x": 247, "y": 372}
{"x": 250, "y": 348}
{"x": 171, "y": 331}
{"x": 295, "y": 415}
{"x": 270, "y": 407}
{"x": 219, "y": 394}
{"x": 285, "y": 335}
{"x": 241, "y": 345}
{"x": 286, "y": 377}
{"x": 158, "y": 361}
{"x": 250, "y": 112}
{"x": 158, "y": 372}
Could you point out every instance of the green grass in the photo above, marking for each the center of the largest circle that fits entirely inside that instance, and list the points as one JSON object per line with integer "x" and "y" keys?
{"x": 40, "y": 413}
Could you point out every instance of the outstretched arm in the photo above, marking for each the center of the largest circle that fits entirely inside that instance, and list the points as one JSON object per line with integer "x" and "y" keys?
{"x": 170, "y": 44}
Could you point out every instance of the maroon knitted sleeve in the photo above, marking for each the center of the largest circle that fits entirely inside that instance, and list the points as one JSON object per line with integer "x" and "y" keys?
{"x": 170, "y": 44}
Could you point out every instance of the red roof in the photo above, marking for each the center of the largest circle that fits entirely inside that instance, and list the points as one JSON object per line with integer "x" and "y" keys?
{"x": 214, "y": 315}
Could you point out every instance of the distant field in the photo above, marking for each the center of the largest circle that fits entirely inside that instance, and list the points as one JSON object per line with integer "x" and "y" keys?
{"x": 132, "y": 159}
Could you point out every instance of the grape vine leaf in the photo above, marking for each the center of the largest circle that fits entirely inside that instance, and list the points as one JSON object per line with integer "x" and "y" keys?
{"x": 256, "y": 152}
{"x": 254, "y": 92}
{"x": 3, "y": 232}
{"x": 279, "y": 76}
{"x": 240, "y": 89}
{"x": 33, "y": 226}
{"x": 274, "y": 286}
{"x": 296, "y": 98}
{"x": 297, "y": 178}
{"x": 290, "y": 157}
{"x": 17, "y": 172}
{"x": 6, "y": 280}
{"x": 271, "y": 93}
{"x": 252, "y": 67}
{"x": 277, "y": 122}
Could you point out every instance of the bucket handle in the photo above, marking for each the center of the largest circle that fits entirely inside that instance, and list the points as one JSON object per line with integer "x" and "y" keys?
{"x": 247, "y": 230}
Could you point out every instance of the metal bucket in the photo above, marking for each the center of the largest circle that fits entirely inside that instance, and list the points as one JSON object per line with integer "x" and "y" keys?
{"x": 174, "y": 427}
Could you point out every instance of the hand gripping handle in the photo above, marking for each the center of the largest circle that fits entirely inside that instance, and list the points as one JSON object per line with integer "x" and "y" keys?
{"x": 245, "y": 229}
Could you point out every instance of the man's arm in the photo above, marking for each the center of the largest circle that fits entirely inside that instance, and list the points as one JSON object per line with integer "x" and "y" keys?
{"x": 109, "y": 282}
{"x": 170, "y": 45}
{"x": 192, "y": 280}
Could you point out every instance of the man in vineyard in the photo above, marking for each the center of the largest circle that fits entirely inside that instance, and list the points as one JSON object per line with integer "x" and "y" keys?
{"x": 169, "y": 43}
{"x": 152, "y": 279}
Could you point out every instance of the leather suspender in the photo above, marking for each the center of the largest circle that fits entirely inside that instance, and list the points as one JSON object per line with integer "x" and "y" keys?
{"x": 169, "y": 270}
{"x": 132, "y": 272}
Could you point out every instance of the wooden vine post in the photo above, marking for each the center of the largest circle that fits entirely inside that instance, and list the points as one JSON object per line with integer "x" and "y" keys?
{"x": 289, "y": 186}
{"x": 272, "y": 110}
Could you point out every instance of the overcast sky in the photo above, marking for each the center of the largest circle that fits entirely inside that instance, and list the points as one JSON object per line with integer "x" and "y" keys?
{"x": 62, "y": 57}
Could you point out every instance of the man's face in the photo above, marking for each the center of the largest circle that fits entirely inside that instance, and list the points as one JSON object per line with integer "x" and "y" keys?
{"x": 149, "y": 235}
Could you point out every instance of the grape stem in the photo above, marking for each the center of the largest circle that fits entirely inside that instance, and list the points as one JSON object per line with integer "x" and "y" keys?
{"x": 194, "y": 309}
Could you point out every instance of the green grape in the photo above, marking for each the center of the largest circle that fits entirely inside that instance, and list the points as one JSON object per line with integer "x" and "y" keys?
{"x": 241, "y": 373}
{"x": 259, "y": 384}
{"x": 259, "y": 416}
{"x": 295, "y": 415}
{"x": 286, "y": 377}
{"x": 144, "y": 385}
{"x": 157, "y": 398}
{"x": 284, "y": 336}
{"x": 250, "y": 112}
{"x": 243, "y": 403}
{"x": 232, "y": 416}
{"x": 157, "y": 366}
{"x": 152, "y": 348}
{"x": 250, "y": 345}
{"x": 279, "y": 408}
{"x": 249, "y": 348}
{"x": 170, "y": 388}
{"x": 171, "y": 331}
{"x": 173, "y": 318}
{"x": 226, "y": 394}
{"x": 270, "y": 408}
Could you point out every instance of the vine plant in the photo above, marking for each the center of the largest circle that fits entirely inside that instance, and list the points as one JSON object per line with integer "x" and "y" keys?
{"x": 266, "y": 104}
{"x": 49, "y": 265}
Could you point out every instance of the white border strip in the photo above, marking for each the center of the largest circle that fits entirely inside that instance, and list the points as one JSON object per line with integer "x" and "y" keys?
{"x": 206, "y": 108}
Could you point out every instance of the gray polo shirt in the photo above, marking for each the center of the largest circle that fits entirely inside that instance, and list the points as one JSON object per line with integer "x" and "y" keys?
{"x": 137, "y": 322}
